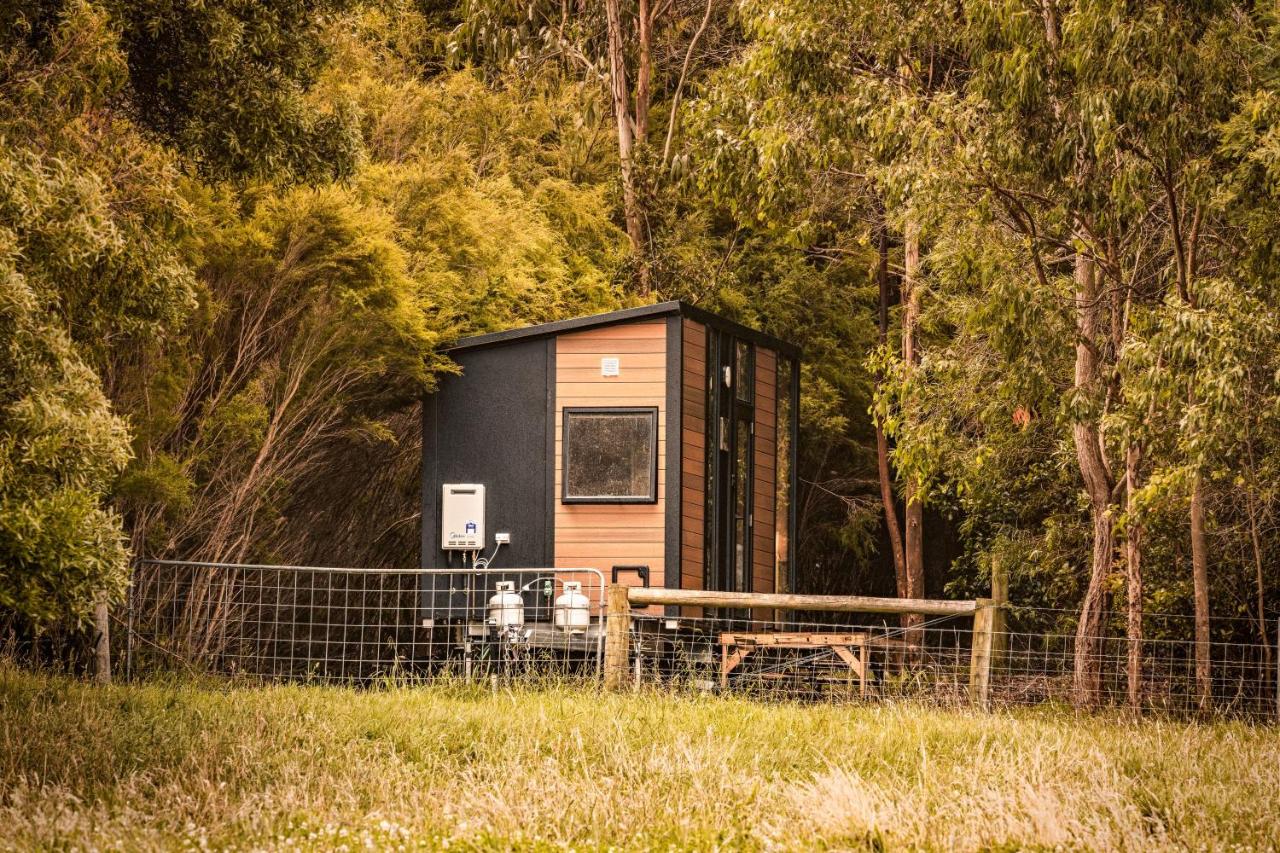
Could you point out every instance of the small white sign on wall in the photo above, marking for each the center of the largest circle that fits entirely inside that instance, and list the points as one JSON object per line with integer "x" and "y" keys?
{"x": 608, "y": 367}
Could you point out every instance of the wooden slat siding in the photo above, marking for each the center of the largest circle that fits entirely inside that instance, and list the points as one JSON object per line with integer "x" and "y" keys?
{"x": 693, "y": 457}
{"x": 591, "y": 361}
{"x": 619, "y": 346}
{"x": 602, "y": 536}
{"x": 631, "y": 376}
{"x": 766, "y": 472}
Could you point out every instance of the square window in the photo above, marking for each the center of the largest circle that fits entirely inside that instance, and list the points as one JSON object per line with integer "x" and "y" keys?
{"x": 610, "y": 456}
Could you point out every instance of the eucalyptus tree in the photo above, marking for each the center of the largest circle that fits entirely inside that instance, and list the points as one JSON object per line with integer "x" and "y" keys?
{"x": 807, "y": 132}
{"x": 644, "y": 53}
{"x": 1087, "y": 135}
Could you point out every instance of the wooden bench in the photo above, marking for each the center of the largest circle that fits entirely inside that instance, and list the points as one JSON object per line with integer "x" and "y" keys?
{"x": 849, "y": 647}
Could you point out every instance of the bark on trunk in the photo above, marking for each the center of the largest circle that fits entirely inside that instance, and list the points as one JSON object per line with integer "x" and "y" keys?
{"x": 1260, "y": 583}
{"x": 644, "y": 26}
{"x": 1133, "y": 587}
{"x": 913, "y": 537}
{"x": 892, "y": 528}
{"x": 626, "y": 139}
{"x": 1098, "y": 485}
{"x": 1200, "y": 583}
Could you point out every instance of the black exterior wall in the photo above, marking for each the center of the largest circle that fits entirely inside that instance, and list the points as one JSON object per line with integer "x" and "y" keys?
{"x": 490, "y": 425}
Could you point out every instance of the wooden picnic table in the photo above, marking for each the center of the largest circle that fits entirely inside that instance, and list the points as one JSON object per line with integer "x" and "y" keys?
{"x": 849, "y": 647}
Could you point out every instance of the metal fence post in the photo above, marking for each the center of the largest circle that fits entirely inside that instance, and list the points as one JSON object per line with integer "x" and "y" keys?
{"x": 980, "y": 654}
{"x": 617, "y": 642}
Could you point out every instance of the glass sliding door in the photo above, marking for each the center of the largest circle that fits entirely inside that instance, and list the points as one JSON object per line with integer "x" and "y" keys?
{"x": 730, "y": 461}
{"x": 783, "y": 482}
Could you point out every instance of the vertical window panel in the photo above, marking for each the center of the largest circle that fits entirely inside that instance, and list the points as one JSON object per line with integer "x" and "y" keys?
{"x": 782, "y": 482}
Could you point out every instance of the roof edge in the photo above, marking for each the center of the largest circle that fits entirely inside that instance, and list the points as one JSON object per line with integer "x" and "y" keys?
{"x": 625, "y": 315}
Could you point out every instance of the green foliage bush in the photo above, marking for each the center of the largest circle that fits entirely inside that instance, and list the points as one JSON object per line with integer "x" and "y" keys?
{"x": 60, "y": 447}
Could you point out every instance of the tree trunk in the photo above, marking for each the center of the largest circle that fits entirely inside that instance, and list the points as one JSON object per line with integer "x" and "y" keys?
{"x": 626, "y": 140}
{"x": 1133, "y": 586}
{"x": 644, "y": 73}
{"x": 1259, "y": 581}
{"x": 1098, "y": 485}
{"x": 684, "y": 74}
{"x": 913, "y": 538}
{"x": 1200, "y": 583}
{"x": 892, "y": 527}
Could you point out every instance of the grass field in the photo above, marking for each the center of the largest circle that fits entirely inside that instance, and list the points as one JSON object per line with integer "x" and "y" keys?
{"x": 172, "y": 766}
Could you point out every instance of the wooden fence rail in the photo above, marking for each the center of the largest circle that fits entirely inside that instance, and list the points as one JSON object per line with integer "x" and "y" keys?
{"x": 642, "y": 596}
{"x": 622, "y": 598}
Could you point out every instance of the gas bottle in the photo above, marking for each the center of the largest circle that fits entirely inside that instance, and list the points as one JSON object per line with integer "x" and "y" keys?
{"x": 573, "y": 610}
{"x": 506, "y": 607}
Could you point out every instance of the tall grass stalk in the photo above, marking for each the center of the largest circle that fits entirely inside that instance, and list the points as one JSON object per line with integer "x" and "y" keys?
{"x": 179, "y": 764}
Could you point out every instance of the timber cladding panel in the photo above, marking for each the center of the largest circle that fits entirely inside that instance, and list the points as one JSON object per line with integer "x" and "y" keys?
{"x": 766, "y": 470}
{"x": 693, "y": 457}
{"x": 602, "y": 536}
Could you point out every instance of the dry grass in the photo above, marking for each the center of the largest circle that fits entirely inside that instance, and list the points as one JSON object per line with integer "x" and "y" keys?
{"x": 171, "y": 766}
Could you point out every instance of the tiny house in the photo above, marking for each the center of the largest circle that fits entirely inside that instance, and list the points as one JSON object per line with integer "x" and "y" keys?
{"x": 655, "y": 444}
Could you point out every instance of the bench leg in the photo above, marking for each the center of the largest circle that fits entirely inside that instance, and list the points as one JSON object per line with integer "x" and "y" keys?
{"x": 856, "y": 664}
{"x": 729, "y": 662}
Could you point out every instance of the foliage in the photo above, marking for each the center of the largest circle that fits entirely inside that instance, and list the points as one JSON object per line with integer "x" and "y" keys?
{"x": 60, "y": 447}
{"x": 88, "y": 220}
{"x": 323, "y": 310}
{"x": 308, "y": 327}
{"x": 236, "y": 238}
{"x": 225, "y": 82}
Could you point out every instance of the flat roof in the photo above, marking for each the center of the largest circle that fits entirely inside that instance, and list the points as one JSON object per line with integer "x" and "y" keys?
{"x": 626, "y": 315}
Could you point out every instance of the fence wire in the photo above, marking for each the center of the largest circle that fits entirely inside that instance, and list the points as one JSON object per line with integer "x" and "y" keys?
{"x": 359, "y": 626}
{"x": 931, "y": 661}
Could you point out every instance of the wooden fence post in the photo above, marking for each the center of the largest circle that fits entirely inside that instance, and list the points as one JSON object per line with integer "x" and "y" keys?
{"x": 1000, "y": 615}
{"x": 102, "y": 643}
{"x": 617, "y": 637}
{"x": 980, "y": 655}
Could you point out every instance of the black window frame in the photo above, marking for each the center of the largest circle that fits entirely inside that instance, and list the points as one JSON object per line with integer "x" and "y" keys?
{"x": 566, "y": 498}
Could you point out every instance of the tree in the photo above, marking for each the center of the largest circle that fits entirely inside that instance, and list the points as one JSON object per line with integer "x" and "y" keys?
{"x": 223, "y": 82}
{"x": 639, "y": 51}
{"x": 60, "y": 448}
{"x": 88, "y": 217}
{"x": 323, "y": 310}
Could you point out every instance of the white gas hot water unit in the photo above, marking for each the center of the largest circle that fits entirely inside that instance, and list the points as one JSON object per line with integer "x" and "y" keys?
{"x": 462, "y": 517}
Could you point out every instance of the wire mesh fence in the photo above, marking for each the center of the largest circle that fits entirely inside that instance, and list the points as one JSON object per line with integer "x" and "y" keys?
{"x": 803, "y": 660}
{"x": 932, "y": 662}
{"x": 359, "y": 626}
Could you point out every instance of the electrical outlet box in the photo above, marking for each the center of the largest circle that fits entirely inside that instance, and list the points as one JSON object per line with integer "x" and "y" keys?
{"x": 502, "y": 538}
{"x": 462, "y": 517}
